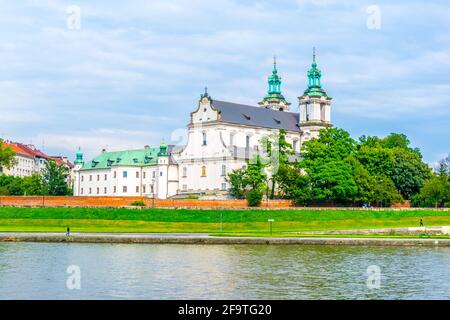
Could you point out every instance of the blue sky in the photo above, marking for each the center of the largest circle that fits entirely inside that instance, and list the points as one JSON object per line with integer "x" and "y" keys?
{"x": 135, "y": 69}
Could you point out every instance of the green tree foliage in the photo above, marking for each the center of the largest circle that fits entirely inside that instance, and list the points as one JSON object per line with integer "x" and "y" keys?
{"x": 443, "y": 168}
{"x": 6, "y": 156}
{"x": 55, "y": 179}
{"x": 326, "y": 161}
{"x": 238, "y": 183}
{"x": 279, "y": 153}
{"x": 248, "y": 182}
{"x": 32, "y": 185}
{"x": 254, "y": 197}
{"x": 435, "y": 193}
{"x": 392, "y": 157}
{"x": 11, "y": 186}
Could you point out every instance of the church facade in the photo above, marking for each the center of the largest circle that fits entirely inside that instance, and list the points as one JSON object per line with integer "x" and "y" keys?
{"x": 222, "y": 136}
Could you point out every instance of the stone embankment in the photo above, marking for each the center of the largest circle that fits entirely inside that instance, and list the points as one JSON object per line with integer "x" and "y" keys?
{"x": 204, "y": 239}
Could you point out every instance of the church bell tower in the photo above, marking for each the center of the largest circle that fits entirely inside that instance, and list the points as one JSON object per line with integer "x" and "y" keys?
{"x": 314, "y": 104}
{"x": 274, "y": 99}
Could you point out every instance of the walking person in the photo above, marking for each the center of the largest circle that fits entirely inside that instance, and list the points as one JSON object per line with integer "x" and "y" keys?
{"x": 68, "y": 231}
{"x": 421, "y": 222}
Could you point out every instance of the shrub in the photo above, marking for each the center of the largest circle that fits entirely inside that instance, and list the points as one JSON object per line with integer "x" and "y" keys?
{"x": 192, "y": 197}
{"x": 254, "y": 197}
{"x": 138, "y": 203}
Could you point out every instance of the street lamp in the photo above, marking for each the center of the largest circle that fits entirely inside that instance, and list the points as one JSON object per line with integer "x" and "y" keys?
{"x": 270, "y": 225}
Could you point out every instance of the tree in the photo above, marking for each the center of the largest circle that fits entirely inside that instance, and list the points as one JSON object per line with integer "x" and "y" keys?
{"x": 278, "y": 152}
{"x": 393, "y": 157}
{"x": 333, "y": 181}
{"x": 255, "y": 176}
{"x": 409, "y": 172}
{"x": 238, "y": 183}
{"x": 7, "y": 155}
{"x": 249, "y": 182}
{"x": 435, "y": 192}
{"x": 443, "y": 167}
{"x": 325, "y": 160}
{"x": 55, "y": 179}
{"x": 32, "y": 186}
{"x": 10, "y": 185}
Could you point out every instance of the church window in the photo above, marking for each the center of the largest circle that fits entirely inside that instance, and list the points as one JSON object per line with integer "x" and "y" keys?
{"x": 124, "y": 189}
{"x": 106, "y": 190}
{"x": 90, "y": 177}
{"x": 143, "y": 189}
{"x": 161, "y": 174}
{"x": 152, "y": 189}
{"x": 125, "y": 174}
{"x": 115, "y": 174}
{"x": 106, "y": 177}
{"x": 224, "y": 186}
{"x": 82, "y": 178}
{"x": 137, "y": 189}
{"x": 184, "y": 187}
{"x": 224, "y": 170}
{"x": 114, "y": 189}
{"x": 137, "y": 174}
{"x": 81, "y": 190}
{"x": 143, "y": 176}
{"x": 322, "y": 112}
{"x": 203, "y": 171}
{"x": 98, "y": 190}
{"x": 154, "y": 174}
{"x": 294, "y": 145}
{"x": 247, "y": 142}
{"x": 204, "y": 138}
{"x": 90, "y": 190}
{"x": 184, "y": 172}
{"x": 98, "y": 177}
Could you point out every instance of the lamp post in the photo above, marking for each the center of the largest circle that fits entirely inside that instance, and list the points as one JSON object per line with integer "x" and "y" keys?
{"x": 270, "y": 225}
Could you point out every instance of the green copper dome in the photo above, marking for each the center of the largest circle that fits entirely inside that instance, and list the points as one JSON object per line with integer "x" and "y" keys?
{"x": 163, "y": 150}
{"x": 79, "y": 157}
{"x": 274, "y": 96}
{"x": 314, "y": 84}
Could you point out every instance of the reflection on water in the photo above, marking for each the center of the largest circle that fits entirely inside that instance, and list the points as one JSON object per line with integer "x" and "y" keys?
{"x": 129, "y": 271}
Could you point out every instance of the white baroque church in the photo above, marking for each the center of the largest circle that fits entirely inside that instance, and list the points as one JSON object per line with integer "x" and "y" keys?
{"x": 222, "y": 136}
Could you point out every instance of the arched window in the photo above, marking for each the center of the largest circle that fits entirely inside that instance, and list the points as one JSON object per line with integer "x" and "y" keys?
{"x": 204, "y": 138}
{"x": 203, "y": 171}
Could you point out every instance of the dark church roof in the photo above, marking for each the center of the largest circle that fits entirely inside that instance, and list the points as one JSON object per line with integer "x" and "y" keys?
{"x": 256, "y": 116}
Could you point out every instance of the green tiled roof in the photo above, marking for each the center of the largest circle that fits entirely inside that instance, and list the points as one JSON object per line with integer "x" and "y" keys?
{"x": 132, "y": 158}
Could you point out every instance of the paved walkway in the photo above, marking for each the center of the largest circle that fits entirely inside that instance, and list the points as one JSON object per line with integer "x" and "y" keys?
{"x": 202, "y": 238}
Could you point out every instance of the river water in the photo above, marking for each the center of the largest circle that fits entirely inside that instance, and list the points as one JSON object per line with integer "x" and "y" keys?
{"x": 143, "y": 271}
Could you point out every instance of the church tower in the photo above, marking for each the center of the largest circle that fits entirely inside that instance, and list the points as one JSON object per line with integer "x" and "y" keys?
{"x": 274, "y": 99}
{"x": 314, "y": 104}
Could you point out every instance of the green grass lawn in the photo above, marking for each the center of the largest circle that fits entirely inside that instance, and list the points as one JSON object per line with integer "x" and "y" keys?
{"x": 242, "y": 222}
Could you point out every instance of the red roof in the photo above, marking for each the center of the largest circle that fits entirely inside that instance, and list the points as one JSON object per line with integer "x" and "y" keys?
{"x": 62, "y": 161}
{"x": 17, "y": 148}
{"x": 31, "y": 152}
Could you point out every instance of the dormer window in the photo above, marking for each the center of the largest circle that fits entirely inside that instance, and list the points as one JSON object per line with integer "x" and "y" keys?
{"x": 276, "y": 120}
{"x": 246, "y": 116}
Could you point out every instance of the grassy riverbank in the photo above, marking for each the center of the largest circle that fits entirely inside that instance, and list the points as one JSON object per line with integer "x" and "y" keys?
{"x": 224, "y": 222}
